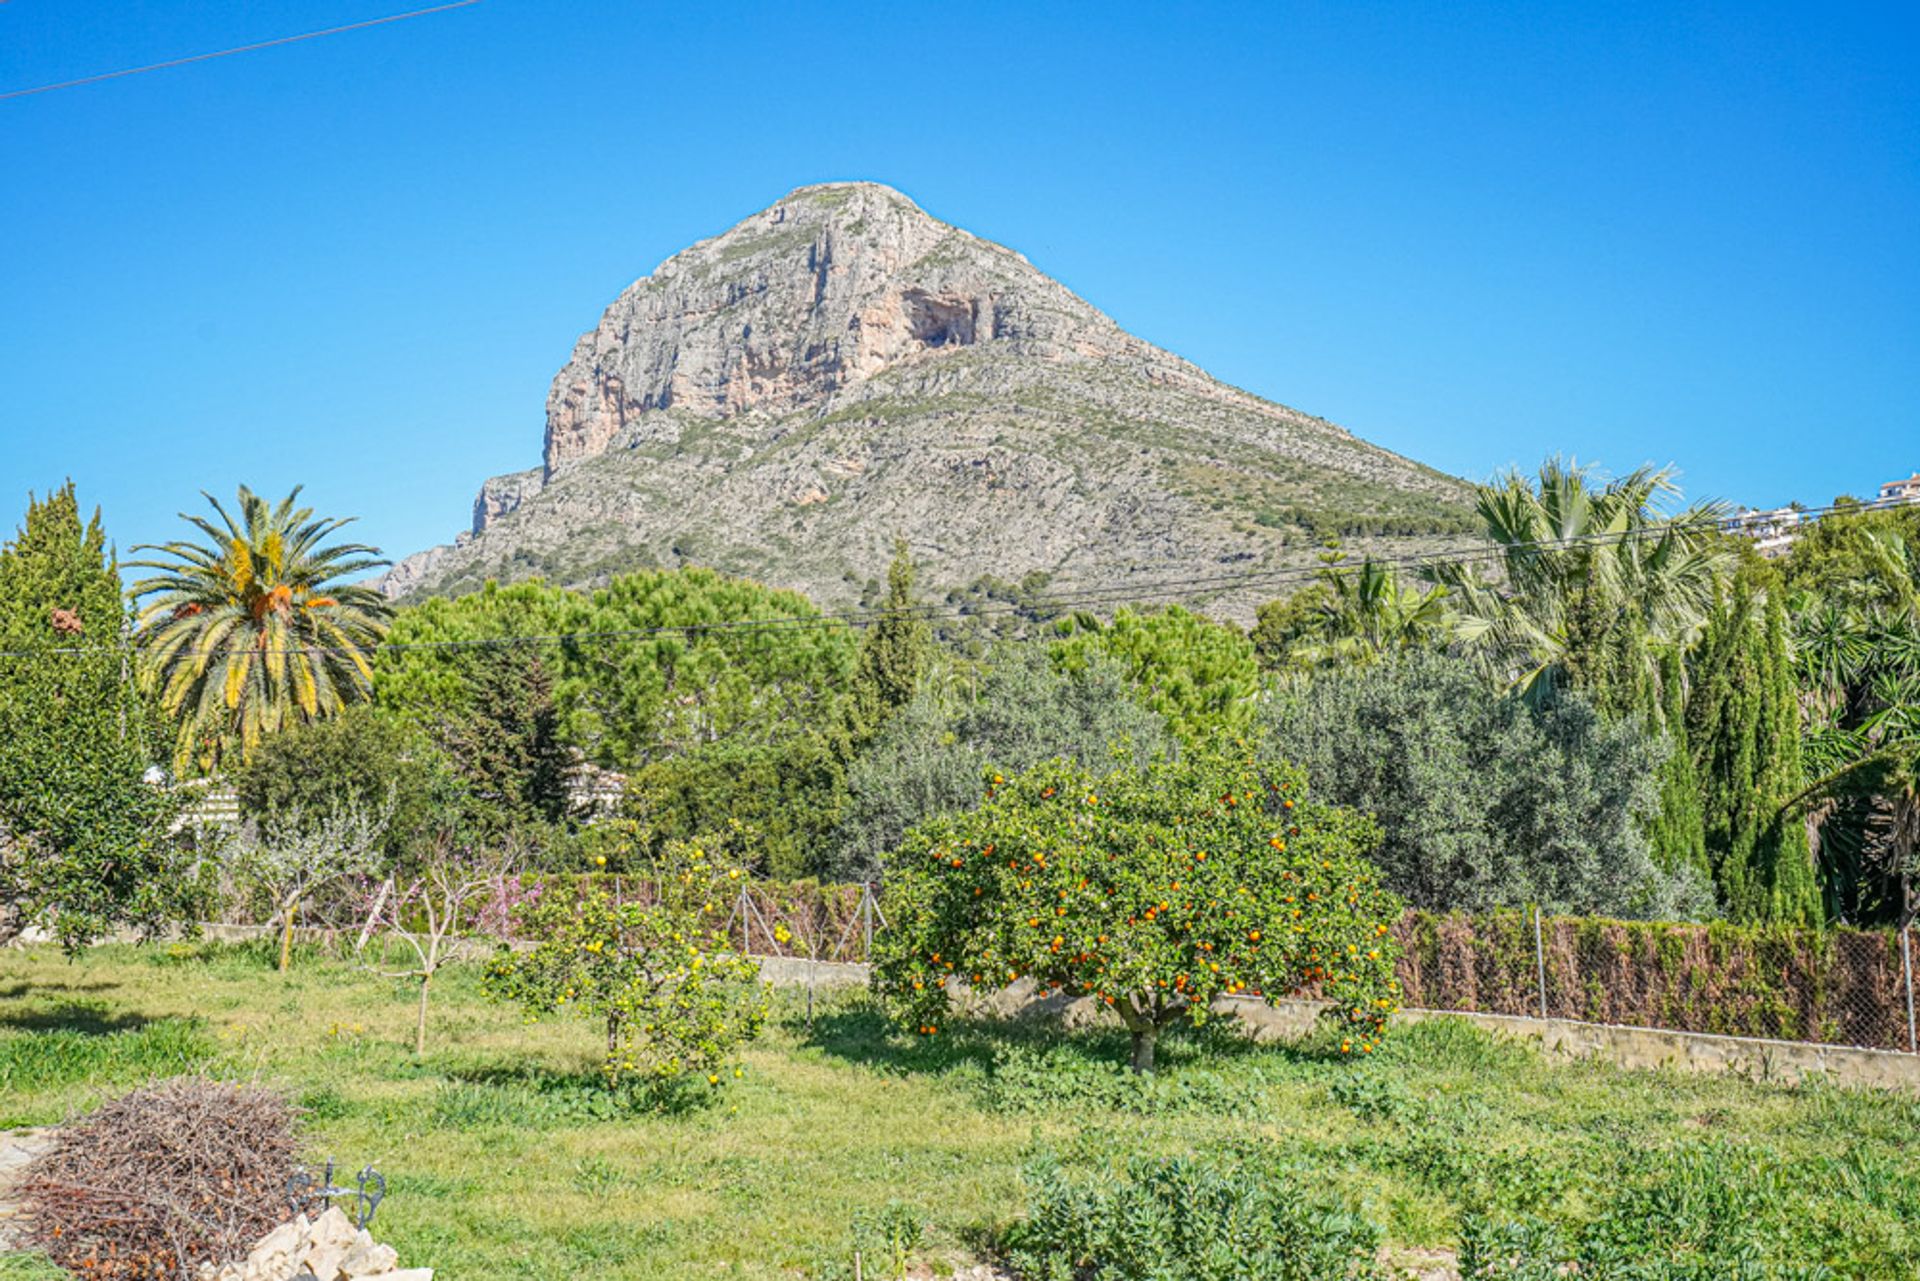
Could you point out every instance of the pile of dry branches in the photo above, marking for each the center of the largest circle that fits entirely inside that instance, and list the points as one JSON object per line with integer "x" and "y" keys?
{"x": 155, "y": 1183}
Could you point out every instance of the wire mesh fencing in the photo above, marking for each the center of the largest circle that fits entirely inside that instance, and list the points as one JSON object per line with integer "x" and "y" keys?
{"x": 1833, "y": 987}
{"x": 1843, "y": 987}
{"x": 1839, "y": 986}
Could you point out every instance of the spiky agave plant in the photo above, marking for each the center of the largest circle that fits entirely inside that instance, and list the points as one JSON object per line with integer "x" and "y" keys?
{"x": 252, "y": 629}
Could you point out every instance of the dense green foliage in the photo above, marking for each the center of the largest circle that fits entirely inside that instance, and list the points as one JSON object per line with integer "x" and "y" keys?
{"x": 1153, "y": 889}
{"x": 1350, "y": 617}
{"x": 788, "y": 794}
{"x": 1196, "y": 1218}
{"x": 1596, "y": 582}
{"x": 1022, "y": 710}
{"x": 1857, "y": 581}
{"x": 84, "y": 840}
{"x": 721, "y": 699}
{"x": 1483, "y": 799}
{"x": 1201, "y": 675}
{"x": 894, "y": 652}
{"x": 1743, "y": 728}
{"x": 256, "y": 628}
{"x": 675, "y": 1001}
{"x": 356, "y": 759}
{"x": 654, "y": 663}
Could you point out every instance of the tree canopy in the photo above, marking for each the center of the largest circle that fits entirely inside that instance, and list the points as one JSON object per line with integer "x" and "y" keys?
{"x": 256, "y": 628}
{"x": 1484, "y": 799}
{"x": 1151, "y": 887}
{"x": 85, "y": 842}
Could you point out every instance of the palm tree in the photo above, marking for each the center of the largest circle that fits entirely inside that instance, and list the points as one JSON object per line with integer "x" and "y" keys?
{"x": 1368, "y": 613}
{"x": 1596, "y": 582}
{"x": 1861, "y": 674}
{"x": 250, "y": 630}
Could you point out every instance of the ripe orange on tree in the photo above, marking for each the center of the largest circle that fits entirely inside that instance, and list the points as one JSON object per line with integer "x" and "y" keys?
{"x": 1139, "y": 920}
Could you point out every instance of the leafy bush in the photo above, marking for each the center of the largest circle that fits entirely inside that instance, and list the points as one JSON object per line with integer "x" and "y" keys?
{"x": 1485, "y": 801}
{"x": 1197, "y": 1219}
{"x": 1704, "y": 1211}
{"x": 1199, "y": 674}
{"x": 85, "y": 844}
{"x": 1153, "y": 889}
{"x": 788, "y": 792}
{"x": 354, "y": 757}
{"x": 931, "y": 756}
{"x": 674, "y": 999}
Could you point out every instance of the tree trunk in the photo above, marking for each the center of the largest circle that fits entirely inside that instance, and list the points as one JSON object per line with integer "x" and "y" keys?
{"x": 1143, "y": 1038}
{"x": 286, "y": 935}
{"x": 613, "y": 1049}
{"x": 420, "y": 1017}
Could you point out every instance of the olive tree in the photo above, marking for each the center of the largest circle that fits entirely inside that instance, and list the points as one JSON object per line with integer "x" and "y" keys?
{"x": 1484, "y": 799}
{"x": 1024, "y": 709}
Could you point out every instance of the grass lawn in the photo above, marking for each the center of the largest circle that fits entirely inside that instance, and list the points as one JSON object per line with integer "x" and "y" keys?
{"x": 502, "y": 1160}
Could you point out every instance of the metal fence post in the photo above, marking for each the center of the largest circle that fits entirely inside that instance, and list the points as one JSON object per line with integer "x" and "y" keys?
{"x": 1540, "y": 959}
{"x": 866, "y": 922}
{"x": 1906, "y": 972}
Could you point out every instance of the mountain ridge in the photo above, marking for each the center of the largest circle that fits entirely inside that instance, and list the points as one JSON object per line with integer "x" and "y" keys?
{"x": 783, "y": 398}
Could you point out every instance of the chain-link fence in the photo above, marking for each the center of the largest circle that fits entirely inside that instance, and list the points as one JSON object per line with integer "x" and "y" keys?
{"x": 1844, "y": 987}
{"x": 1833, "y": 987}
{"x": 1840, "y": 986}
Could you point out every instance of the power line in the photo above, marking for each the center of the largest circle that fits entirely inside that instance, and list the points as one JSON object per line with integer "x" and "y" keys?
{"x": 1177, "y": 588}
{"x": 245, "y": 48}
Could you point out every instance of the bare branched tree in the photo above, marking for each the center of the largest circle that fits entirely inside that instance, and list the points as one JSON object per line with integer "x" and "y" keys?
{"x": 450, "y": 882}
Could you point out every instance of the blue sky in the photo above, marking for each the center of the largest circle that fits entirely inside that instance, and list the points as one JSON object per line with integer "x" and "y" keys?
{"x": 1474, "y": 234}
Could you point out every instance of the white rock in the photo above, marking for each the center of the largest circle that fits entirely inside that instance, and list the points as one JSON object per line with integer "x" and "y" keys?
{"x": 334, "y": 1225}
{"x": 323, "y": 1259}
{"x": 281, "y": 1240}
{"x": 370, "y": 1260}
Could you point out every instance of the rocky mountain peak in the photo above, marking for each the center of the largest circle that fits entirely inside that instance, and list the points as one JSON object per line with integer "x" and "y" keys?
{"x": 810, "y": 297}
{"x": 784, "y": 399}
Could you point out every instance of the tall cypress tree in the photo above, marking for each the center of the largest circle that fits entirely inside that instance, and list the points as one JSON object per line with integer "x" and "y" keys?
{"x": 1744, "y": 722}
{"x": 84, "y": 845}
{"x": 895, "y": 652}
{"x": 1677, "y": 831}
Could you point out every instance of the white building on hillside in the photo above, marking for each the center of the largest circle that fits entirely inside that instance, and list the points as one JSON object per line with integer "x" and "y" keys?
{"x": 1772, "y": 530}
{"x": 1901, "y": 491}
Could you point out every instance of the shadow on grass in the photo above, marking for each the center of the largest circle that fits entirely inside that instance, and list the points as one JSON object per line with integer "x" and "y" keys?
{"x": 78, "y": 1018}
{"x": 17, "y": 991}
{"x": 538, "y": 1096}
{"x": 862, "y": 1033}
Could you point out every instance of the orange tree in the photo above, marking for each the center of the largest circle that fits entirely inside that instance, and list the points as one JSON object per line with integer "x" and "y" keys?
{"x": 676, "y": 999}
{"x": 1152, "y": 888}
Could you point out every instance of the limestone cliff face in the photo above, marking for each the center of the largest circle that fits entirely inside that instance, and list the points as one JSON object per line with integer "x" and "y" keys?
{"x": 782, "y": 399}
{"x": 804, "y": 301}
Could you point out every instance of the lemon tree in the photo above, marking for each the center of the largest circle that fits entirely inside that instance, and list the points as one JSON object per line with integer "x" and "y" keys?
{"x": 1153, "y": 888}
{"x": 676, "y": 999}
